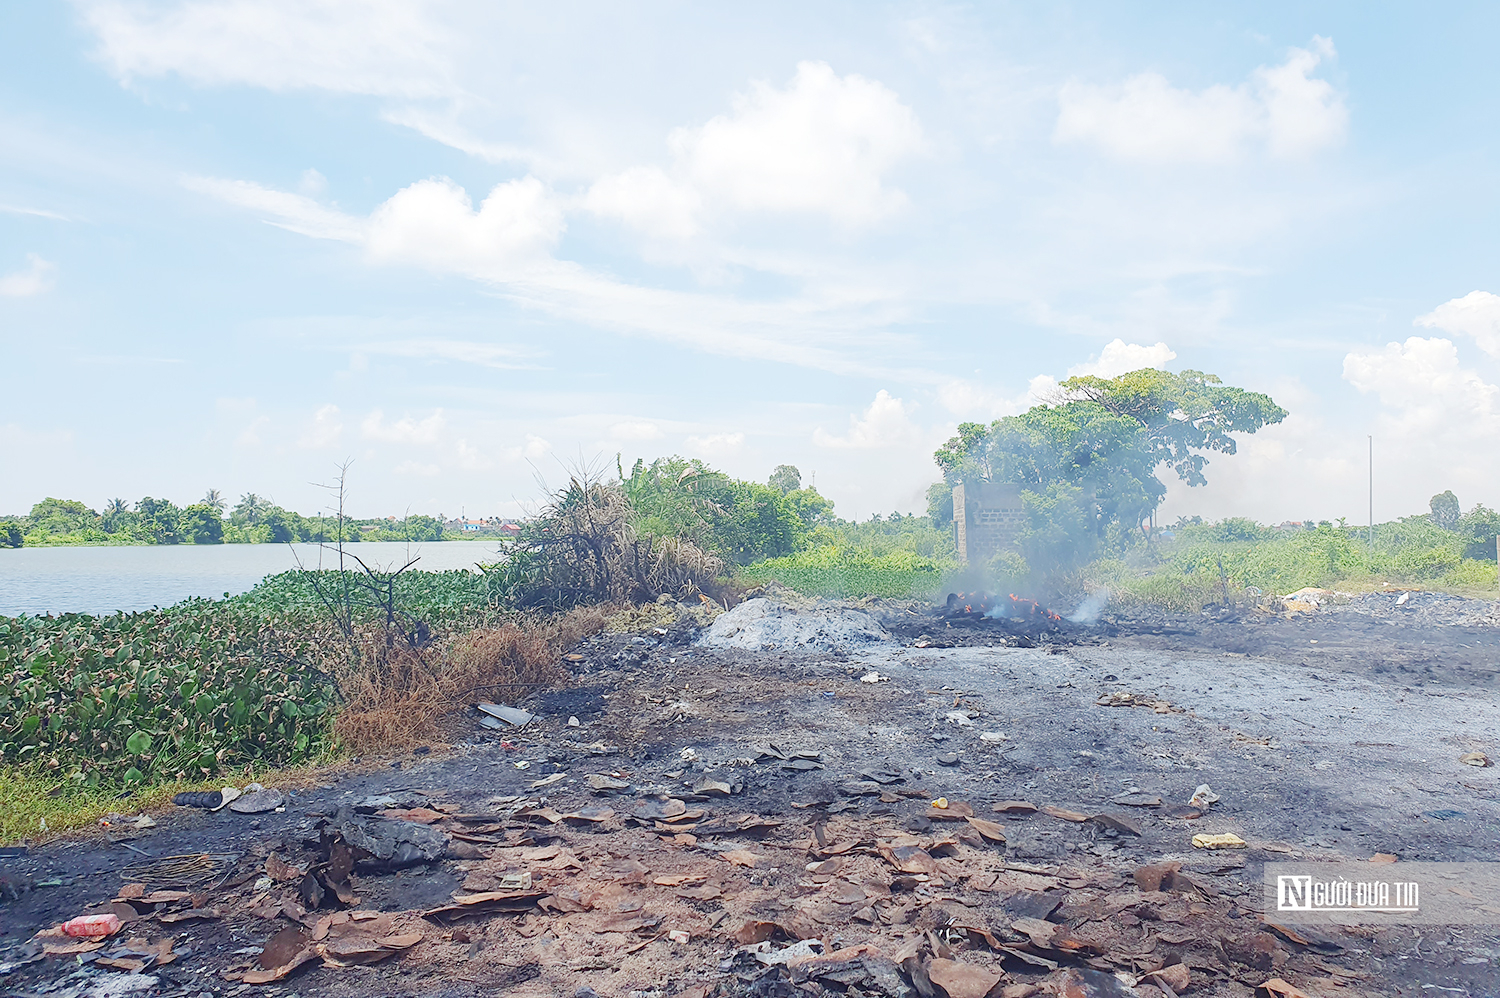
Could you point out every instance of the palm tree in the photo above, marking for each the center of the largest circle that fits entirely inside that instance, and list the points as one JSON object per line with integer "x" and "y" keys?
{"x": 113, "y": 511}
{"x": 250, "y": 508}
{"x": 215, "y": 499}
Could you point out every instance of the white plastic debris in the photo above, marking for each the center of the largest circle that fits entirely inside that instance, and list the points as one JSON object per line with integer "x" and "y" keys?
{"x": 547, "y": 781}
{"x": 959, "y": 718}
{"x": 510, "y": 715}
{"x": 993, "y": 736}
{"x": 573, "y": 722}
{"x": 874, "y": 677}
{"x": 689, "y": 755}
{"x": 1401, "y": 600}
{"x": 1204, "y": 796}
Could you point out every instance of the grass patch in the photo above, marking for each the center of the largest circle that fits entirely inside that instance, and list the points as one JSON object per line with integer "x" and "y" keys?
{"x": 840, "y": 571}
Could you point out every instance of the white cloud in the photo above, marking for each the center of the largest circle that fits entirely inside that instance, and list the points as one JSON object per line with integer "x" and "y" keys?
{"x": 416, "y": 469}
{"x": 38, "y": 277}
{"x": 294, "y": 212}
{"x": 1433, "y": 396}
{"x": 1119, "y": 357}
{"x": 885, "y": 423}
{"x": 822, "y": 145}
{"x": 470, "y": 458}
{"x": 433, "y": 223}
{"x": 384, "y": 48}
{"x": 312, "y": 183}
{"x": 405, "y": 430}
{"x": 324, "y": 430}
{"x": 16, "y": 209}
{"x": 635, "y": 430}
{"x": 533, "y": 448}
{"x": 1476, "y": 315}
{"x": 715, "y": 444}
{"x": 971, "y": 402}
{"x": 1284, "y": 108}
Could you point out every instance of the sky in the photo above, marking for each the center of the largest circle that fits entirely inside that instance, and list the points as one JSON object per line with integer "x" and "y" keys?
{"x": 472, "y": 246}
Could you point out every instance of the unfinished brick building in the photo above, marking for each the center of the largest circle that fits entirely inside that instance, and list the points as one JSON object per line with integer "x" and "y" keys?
{"x": 987, "y": 516}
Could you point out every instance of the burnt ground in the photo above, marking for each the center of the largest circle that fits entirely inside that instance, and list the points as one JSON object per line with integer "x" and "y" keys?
{"x": 1334, "y": 733}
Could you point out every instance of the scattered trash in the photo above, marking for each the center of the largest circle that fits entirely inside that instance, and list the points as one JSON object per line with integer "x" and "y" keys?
{"x": 390, "y": 842}
{"x": 573, "y": 722}
{"x": 962, "y": 980}
{"x": 1065, "y": 814}
{"x": 1227, "y": 840}
{"x": 958, "y": 717}
{"x": 514, "y": 716}
{"x": 993, "y": 736}
{"x": 257, "y": 801}
{"x": 602, "y": 784}
{"x": 941, "y": 803}
{"x": 874, "y": 677}
{"x": 1475, "y": 759}
{"x": 1115, "y": 823}
{"x": 1125, "y": 698}
{"x": 1203, "y": 797}
{"x": 1015, "y": 807}
{"x": 547, "y": 781}
{"x": 1277, "y": 988}
{"x": 1383, "y": 858}
{"x": 92, "y": 926}
{"x": 679, "y": 936}
{"x": 208, "y": 800}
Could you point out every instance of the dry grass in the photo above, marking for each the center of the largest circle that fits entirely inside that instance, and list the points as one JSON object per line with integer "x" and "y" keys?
{"x": 396, "y": 696}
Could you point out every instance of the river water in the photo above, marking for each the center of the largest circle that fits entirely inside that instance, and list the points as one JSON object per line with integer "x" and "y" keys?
{"x": 104, "y": 579}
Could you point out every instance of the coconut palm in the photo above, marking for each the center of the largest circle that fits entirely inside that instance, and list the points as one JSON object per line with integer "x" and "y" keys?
{"x": 214, "y": 498}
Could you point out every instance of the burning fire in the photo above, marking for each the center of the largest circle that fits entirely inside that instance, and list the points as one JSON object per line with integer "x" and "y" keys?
{"x": 990, "y": 606}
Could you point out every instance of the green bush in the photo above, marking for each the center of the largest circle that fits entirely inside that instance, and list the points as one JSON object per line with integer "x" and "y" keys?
{"x": 839, "y": 571}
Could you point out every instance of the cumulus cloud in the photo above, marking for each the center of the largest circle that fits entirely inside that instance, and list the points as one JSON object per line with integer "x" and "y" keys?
{"x": 822, "y": 145}
{"x": 38, "y": 277}
{"x": 405, "y": 430}
{"x": 1283, "y": 109}
{"x": 885, "y": 423}
{"x": 471, "y": 458}
{"x": 324, "y": 430}
{"x": 434, "y": 224}
{"x": 386, "y": 48}
{"x": 1119, "y": 357}
{"x": 416, "y": 469}
{"x": 1433, "y": 395}
{"x": 1476, "y": 315}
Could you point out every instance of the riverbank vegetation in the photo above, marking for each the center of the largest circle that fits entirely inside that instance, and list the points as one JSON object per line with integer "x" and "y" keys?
{"x": 253, "y": 520}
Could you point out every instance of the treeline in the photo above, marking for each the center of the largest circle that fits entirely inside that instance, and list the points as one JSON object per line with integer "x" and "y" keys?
{"x": 253, "y": 520}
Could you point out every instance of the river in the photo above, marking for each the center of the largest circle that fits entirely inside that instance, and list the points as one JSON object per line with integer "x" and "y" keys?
{"x": 101, "y": 580}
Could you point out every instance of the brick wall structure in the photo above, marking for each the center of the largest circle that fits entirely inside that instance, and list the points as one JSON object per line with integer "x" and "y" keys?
{"x": 987, "y": 517}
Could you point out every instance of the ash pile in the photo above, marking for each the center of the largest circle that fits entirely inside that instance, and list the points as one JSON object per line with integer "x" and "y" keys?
{"x": 980, "y": 618}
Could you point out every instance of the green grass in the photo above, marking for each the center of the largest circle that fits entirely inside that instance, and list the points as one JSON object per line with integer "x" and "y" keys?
{"x": 839, "y": 571}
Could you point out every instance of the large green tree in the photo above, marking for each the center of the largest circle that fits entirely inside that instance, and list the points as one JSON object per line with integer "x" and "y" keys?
{"x": 61, "y": 516}
{"x": 1089, "y": 461}
{"x": 676, "y": 497}
{"x": 201, "y": 523}
{"x": 158, "y": 519}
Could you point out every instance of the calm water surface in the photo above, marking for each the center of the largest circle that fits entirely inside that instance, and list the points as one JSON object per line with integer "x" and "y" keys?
{"x": 106, "y": 579}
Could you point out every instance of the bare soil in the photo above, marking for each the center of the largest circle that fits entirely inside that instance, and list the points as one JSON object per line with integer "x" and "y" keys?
{"x": 1328, "y": 734}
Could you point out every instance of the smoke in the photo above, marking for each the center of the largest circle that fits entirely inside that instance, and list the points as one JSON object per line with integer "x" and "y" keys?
{"x": 1088, "y": 611}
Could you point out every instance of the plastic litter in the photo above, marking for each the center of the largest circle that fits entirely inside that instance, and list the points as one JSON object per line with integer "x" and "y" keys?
{"x": 959, "y": 718}
{"x": 92, "y": 926}
{"x": 1227, "y": 840}
{"x": 1203, "y": 797}
{"x": 1475, "y": 759}
{"x": 257, "y": 801}
{"x": 993, "y": 736}
{"x": 510, "y": 715}
{"x": 874, "y": 677}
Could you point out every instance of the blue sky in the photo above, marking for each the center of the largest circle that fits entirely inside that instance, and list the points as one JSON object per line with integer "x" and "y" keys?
{"x": 468, "y": 244}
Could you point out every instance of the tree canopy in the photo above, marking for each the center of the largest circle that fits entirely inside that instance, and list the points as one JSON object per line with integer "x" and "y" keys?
{"x": 1088, "y": 459}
